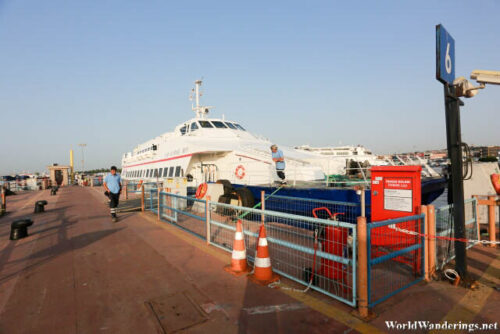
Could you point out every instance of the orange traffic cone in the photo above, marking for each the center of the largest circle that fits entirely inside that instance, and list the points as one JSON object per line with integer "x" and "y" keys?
{"x": 263, "y": 273}
{"x": 238, "y": 264}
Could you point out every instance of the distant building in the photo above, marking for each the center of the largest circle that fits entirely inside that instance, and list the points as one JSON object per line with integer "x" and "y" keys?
{"x": 489, "y": 151}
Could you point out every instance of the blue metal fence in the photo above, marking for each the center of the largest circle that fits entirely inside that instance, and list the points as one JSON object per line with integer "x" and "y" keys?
{"x": 396, "y": 253}
{"x": 299, "y": 246}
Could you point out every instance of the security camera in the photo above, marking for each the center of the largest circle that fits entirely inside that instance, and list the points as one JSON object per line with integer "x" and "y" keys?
{"x": 464, "y": 88}
{"x": 486, "y": 77}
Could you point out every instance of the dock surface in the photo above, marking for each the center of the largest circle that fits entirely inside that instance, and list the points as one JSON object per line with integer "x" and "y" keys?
{"x": 78, "y": 272}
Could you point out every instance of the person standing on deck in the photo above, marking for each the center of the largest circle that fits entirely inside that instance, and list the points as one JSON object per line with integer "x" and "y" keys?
{"x": 113, "y": 186}
{"x": 279, "y": 159}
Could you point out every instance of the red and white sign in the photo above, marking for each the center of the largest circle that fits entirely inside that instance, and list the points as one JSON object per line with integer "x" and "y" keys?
{"x": 397, "y": 183}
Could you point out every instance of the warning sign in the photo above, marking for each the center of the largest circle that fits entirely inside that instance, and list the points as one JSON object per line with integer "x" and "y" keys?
{"x": 398, "y": 194}
{"x": 395, "y": 191}
{"x": 397, "y": 183}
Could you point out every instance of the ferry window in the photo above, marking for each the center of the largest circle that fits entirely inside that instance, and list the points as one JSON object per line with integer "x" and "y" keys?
{"x": 194, "y": 126}
{"x": 156, "y": 172}
{"x": 183, "y": 130}
{"x": 231, "y": 125}
{"x": 206, "y": 124}
{"x": 150, "y": 173}
{"x": 239, "y": 127}
{"x": 219, "y": 124}
{"x": 147, "y": 172}
{"x": 165, "y": 172}
{"x": 177, "y": 171}
{"x": 171, "y": 172}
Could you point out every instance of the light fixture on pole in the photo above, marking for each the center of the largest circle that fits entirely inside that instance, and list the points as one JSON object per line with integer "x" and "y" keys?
{"x": 83, "y": 158}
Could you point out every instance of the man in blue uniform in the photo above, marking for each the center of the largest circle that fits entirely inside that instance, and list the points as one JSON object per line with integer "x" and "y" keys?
{"x": 279, "y": 159}
{"x": 113, "y": 186}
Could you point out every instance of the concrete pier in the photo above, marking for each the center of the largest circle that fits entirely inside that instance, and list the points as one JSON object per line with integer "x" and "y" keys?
{"x": 77, "y": 272}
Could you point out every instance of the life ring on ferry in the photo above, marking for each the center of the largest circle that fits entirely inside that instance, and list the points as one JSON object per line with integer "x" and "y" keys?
{"x": 139, "y": 185}
{"x": 495, "y": 179}
{"x": 240, "y": 172}
{"x": 201, "y": 191}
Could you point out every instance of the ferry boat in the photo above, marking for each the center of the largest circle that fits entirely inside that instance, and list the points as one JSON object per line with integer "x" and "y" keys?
{"x": 205, "y": 149}
{"x": 338, "y": 160}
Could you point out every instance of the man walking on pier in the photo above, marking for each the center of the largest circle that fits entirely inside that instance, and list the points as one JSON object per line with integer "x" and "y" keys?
{"x": 279, "y": 159}
{"x": 113, "y": 187}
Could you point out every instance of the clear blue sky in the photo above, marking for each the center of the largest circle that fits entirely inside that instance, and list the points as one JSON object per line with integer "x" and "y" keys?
{"x": 112, "y": 74}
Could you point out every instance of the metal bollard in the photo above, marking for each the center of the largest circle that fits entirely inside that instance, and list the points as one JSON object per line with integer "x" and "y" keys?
{"x": 19, "y": 228}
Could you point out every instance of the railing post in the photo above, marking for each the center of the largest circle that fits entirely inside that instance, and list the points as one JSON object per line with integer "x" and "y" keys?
{"x": 491, "y": 220}
{"x": 126, "y": 190}
{"x": 263, "y": 206}
{"x": 159, "y": 191}
{"x": 142, "y": 198}
{"x": 431, "y": 231}
{"x": 363, "y": 202}
{"x": 425, "y": 265}
{"x": 3, "y": 207}
{"x": 362, "y": 268}
{"x": 476, "y": 216}
{"x": 208, "y": 218}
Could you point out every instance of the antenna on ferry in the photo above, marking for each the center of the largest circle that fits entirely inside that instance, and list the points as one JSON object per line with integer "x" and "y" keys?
{"x": 200, "y": 110}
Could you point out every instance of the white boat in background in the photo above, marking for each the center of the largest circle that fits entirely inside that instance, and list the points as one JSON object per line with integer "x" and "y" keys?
{"x": 205, "y": 149}
{"x": 336, "y": 160}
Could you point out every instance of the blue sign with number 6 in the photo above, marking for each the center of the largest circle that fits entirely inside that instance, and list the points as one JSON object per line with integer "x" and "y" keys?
{"x": 445, "y": 56}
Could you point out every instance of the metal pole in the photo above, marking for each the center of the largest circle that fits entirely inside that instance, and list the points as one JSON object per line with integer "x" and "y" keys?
{"x": 208, "y": 218}
{"x": 362, "y": 268}
{"x": 363, "y": 202}
{"x": 83, "y": 157}
{"x": 491, "y": 220}
{"x": 3, "y": 205}
{"x": 159, "y": 204}
{"x": 142, "y": 198}
{"x": 431, "y": 211}
{"x": 424, "y": 210}
{"x": 454, "y": 145}
{"x": 263, "y": 206}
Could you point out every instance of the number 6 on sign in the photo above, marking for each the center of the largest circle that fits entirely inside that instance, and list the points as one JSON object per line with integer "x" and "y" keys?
{"x": 445, "y": 56}
{"x": 447, "y": 61}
